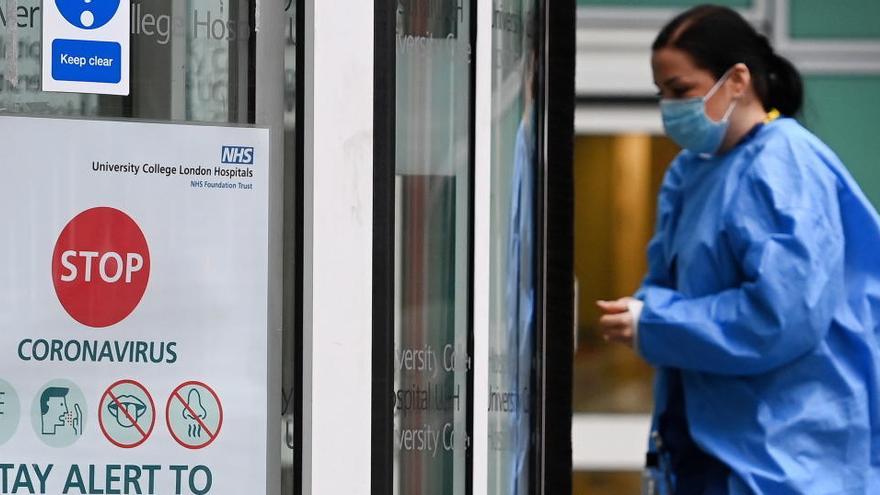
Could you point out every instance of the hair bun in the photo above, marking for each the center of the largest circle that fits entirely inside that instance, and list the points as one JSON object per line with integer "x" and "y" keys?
{"x": 785, "y": 87}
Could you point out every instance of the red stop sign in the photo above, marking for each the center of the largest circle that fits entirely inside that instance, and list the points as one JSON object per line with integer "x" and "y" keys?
{"x": 100, "y": 266}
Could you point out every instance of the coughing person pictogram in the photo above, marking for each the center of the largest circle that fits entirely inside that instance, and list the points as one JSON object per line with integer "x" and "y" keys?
{"x": 58, "y": 413}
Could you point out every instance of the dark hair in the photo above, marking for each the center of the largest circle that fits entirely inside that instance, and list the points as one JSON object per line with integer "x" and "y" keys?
{"x": 50, "y": 393}
{"x": 717, "y": 38}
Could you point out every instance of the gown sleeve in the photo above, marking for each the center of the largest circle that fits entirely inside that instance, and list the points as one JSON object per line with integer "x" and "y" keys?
{"x": 783, "y": 226}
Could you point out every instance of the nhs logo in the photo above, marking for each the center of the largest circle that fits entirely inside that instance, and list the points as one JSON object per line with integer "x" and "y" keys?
{"x": 238, "y": 155}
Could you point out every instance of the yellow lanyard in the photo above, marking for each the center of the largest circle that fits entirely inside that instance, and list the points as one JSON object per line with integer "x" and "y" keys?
{"x": 772, "y": 115}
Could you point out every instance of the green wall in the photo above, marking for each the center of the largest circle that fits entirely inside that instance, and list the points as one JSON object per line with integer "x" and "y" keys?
{"x": 660, "y": 3}
{"x": 843, "y": 111}
{"x": 829, "y": 19}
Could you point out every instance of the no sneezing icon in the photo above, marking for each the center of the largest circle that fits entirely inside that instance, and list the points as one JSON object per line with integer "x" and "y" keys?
{"x": 194, "y": 415}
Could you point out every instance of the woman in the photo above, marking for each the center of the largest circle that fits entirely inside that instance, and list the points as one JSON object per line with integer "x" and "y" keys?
{"x": 761, "y": 306}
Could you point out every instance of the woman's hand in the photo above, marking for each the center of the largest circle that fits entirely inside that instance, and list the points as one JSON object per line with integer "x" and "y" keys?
{"x": 616, "y": 323}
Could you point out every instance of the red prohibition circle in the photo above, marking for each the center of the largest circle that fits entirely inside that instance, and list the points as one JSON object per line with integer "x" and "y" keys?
{"x": 100, "y": 266}
{"x": 144, "y": 435}
{"x": 175, "y": 394}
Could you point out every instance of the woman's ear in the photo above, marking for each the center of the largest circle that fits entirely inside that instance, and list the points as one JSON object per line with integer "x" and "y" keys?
{"x": 741, "y": 80}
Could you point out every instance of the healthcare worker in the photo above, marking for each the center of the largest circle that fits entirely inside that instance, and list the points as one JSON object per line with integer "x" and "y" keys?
{"x": 761, "y": 306}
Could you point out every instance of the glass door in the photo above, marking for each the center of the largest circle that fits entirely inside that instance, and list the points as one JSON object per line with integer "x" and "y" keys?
{"x": 432, "y": 246}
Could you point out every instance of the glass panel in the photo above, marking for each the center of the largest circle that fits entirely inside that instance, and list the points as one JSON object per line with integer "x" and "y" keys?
{"x": 514, "y": 245}
{"x": 190, "y": 60}
{"x": 432, "y": 246}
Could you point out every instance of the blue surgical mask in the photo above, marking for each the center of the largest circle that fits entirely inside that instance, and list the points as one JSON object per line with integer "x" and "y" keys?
{"x": 686, "y": 122}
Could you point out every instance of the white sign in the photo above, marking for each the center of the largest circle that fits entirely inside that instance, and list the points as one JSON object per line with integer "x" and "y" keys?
{"x": 86, "y": 46}
{"x": 133, "y": 308}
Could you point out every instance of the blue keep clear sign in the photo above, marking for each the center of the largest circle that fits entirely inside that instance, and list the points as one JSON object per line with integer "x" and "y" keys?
{"x": 87, "y": 43}
{"x": 87, "y": 61}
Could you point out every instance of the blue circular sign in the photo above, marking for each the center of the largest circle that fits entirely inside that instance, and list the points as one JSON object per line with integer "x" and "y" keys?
{"x": 88, "y": 14}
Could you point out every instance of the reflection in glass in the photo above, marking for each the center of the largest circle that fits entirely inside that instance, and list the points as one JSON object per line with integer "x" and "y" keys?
{"x": 190, "y": 60}
{"x": 432, "y": 364}
{"x": 513, "y": 245}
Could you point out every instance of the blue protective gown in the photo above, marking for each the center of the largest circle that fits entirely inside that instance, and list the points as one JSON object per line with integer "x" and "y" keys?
{"x": 762, "y": 300}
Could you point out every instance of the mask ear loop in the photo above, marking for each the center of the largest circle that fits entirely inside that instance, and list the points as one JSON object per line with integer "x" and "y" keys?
{"x": 718, "y": 84}
{"x": 715, "y": 88}
{"x": 729, "y": 111}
